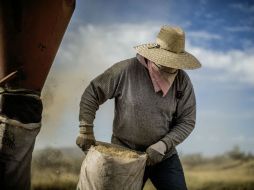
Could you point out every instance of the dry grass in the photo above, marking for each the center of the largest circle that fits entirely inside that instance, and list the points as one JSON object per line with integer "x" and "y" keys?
{"x": 58, "y": 170}
{"x": 236, "y": 175}
{"x": 53, "y": 180}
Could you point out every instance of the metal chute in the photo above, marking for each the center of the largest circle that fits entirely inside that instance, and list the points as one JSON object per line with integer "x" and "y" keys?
{"x": 30, "y": 35}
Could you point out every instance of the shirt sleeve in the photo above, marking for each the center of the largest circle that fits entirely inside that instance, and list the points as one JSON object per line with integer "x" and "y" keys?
{"x": 100, "y": 89}
{"x": 185, "y": 119}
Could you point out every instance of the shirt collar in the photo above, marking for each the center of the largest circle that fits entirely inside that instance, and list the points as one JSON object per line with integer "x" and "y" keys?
{"x": 161, "y": 81}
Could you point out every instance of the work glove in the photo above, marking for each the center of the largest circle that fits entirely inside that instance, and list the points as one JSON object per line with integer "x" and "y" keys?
{"x": 156, "y": 153}
{"x": 85, "y": 138}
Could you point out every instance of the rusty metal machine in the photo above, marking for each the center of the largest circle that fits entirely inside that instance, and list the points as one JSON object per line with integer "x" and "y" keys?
{"x": 30, "y": 34}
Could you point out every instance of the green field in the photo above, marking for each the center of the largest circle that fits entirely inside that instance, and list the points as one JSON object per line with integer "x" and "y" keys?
{"x": 54, "y": 169}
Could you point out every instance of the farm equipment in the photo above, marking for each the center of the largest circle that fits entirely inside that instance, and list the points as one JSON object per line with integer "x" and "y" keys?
{"x": 30, "y": 35}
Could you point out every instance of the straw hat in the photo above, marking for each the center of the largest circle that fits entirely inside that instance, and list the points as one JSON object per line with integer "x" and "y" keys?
{"x": 169, "y": 50}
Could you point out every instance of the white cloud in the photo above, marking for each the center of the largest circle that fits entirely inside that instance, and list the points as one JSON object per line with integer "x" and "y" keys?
{"x": 244, "y": 7}
{"x": 203, "y": 35}
{"x": 235, "y": 65}
{"x": 239, "y": 29}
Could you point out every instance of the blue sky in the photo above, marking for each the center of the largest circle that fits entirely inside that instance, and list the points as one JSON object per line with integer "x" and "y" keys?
{"x": 218, "y": 33}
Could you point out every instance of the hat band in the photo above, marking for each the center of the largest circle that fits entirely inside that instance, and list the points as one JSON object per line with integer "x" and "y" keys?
{"x": 158, "y": 46}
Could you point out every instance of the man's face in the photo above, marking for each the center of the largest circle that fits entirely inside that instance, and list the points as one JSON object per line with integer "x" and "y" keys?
{"x": 168, "y": 70}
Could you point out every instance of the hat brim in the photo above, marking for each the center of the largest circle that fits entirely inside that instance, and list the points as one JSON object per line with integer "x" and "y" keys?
{"x": 166, "y": 58}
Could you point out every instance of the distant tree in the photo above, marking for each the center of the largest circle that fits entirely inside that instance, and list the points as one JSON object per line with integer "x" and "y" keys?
{"x": 236, "y": 153}
{"x": 55, "y": 159}
{"x": 193, "y": 160}
{"x": 50, "y": 158}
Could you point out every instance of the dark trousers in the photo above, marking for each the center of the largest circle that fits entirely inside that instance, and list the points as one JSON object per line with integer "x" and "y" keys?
{"x": 167, "y": 175}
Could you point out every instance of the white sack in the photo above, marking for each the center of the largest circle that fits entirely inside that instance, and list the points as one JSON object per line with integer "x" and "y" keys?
{"x": 107, "y": 171}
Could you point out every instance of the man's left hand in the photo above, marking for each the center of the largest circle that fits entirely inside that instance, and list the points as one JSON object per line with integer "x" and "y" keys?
{"x": 156, "y": 153}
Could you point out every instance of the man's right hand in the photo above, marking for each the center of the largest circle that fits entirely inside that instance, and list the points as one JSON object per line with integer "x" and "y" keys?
{"x": 86, "y": 138}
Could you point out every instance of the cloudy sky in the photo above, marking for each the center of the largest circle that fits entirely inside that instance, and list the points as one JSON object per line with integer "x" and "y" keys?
{"x": 219, "y": 33}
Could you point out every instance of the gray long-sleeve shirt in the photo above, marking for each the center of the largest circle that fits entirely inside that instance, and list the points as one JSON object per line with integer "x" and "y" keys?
{"x": 142, "y": 117}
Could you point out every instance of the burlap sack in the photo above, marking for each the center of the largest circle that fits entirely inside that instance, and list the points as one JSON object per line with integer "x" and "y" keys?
{"x": 112, "y": 168}
{"x": 16, "y": 147}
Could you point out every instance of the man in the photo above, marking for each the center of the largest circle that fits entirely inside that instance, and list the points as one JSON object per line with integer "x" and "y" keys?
{"x": 155, "y": 106}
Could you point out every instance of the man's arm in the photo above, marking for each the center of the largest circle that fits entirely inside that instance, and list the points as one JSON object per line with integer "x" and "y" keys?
{"x": 185, "y": 119}
{"x": 183, "y": 125}
{"x": 104, "y": 87}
